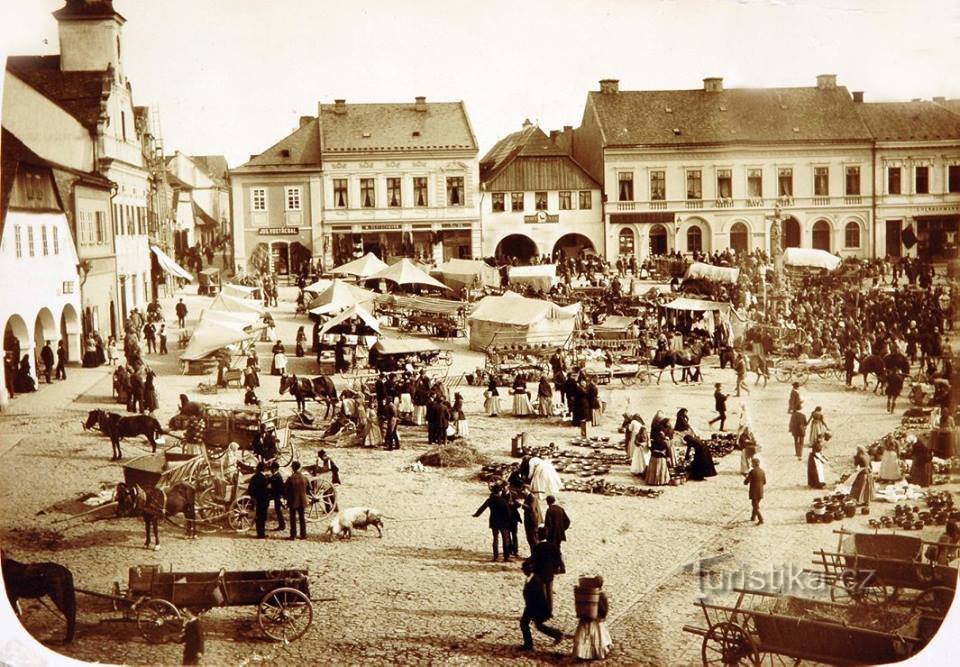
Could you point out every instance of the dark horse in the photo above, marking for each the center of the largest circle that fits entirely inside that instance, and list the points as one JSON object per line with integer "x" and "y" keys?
{"x": 35, "y": 580}
{"x": 688, "y": 359}
{"x": 118, "y": 427}
{"x": 874, "y": 363}
{"x": 321, "y": 389}
{"x": 155, "y": 504}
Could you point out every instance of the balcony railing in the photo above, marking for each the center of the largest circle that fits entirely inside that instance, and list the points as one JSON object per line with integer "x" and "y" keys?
{"x": 726, "y": 203}
{"x": 659, "y": 205}
{"x": 785, "y": 200}
{"x": 723, "y": 202}
{"x": 852, "y": 200}
{"x": 694, "y": 203}
{"x": 755, "y": 202}
{"x": 821, "y": 201}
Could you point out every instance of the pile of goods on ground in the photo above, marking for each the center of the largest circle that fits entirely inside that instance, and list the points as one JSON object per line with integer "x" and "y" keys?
{"x": 940, "y": 509}
{"x": 721, "y": 444}
{"x": 835, "y": 507}
{"x": 603, "y": 487}
{"x": 452, "y": 455}
{"x": 596, "y": 442}
{"x": 917, "y": 418}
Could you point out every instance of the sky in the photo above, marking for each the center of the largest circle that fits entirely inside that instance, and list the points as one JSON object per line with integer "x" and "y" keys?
{"x": 232, "y": 77}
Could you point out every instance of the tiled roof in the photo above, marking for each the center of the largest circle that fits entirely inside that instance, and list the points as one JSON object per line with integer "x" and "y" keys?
{"x": 214, "y": 166}
{"x": 78, "y": 93}
{"x": 87, "y": 9}
{"x": 299, "y": 149}
{"x": 905, "y": 121}
{"x": 949, "y": 105}
{"x": 528, "y": 160}
{"x": 738, "y": 115}
{"x": 391, "y": 127}
{"x": 202, "y": 217}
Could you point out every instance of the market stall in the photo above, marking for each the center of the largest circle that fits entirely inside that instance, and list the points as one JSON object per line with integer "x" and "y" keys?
{"x": 443, "y": 318}
{"x": 717, "y": 274}
{"x": 339, "y": 295}
{"x": 241, "y": 291}
{"x": 362, "y": 268}
{"x": 810, "y": 258}
{"x": 396, "y": 354}
{"x": 356, "y": 326}
{"x": 406, "y": 272}
{"x": 514, "y": 320}
{"x": 232, "y": 304}
{"x": 467, "y": 273}
{"x": 539, "y": 276}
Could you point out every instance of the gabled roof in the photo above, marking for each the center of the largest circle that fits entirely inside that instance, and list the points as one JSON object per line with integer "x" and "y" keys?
{"x": 529, "y": 160}
{"x": 949, "y": 105}
{"x": 214, "y": 166}
{"x": 730, "y": 116}
{"x": 301, "y": 148}
{"x": 87, "y": 9}
{"x": 78, "y": 93}
{"x": 905, "y": 121}
{"x": 202, "y": 217}
{"x": 392, "y": 127}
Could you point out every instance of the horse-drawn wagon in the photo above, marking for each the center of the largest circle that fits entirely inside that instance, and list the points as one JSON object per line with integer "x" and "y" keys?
{"x": 256, "y": 430}
{"x": 160, "y": 602}
{"x": 799, "y": 369}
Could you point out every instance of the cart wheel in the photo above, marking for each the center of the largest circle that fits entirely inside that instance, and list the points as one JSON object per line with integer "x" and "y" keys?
{"x": 241, "y": 515}
{"x": 782, "y": 371}
{"x": 629, "y": 380}
{"x": 801, "y": 375}
{"x": 871, "y": 592}
{"x": 933, "y": 601}
{"x": 208, "y": 511}
{"x": 644, "y": 376}
{"x": 159, "y": 621}
{"x": 728, "y": 644}
{"x": 285, "y": 614}
{"x": 286, "y": 454}
{"x": 322, "y": 497}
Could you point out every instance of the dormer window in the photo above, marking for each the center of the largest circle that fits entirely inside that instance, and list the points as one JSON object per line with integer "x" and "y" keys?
{"x": 416, "y": 133}
{"x": 284, "y": 153}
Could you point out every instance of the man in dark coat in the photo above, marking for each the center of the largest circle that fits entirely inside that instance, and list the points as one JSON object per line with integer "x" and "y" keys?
{"x": 499, "y": 508}
{"x": 61, "y": 360}
{"x": 326, "y": 464}
{"x": 555, "y": 526}
{"x": 150, "y": 335}
{"x": 297, "y": 501}
{"x": 135, "y": 397}
{"x": 259, "y": 492}
{"x": 391, "y": 439}
{"x": 276, "y": 494}
{"x": 181, "y": 309}
{"x": 46, "y": 356}
{"x": 537, "y": 608}
{"x": 756, "y": 479}
{"x": 340, "y": 355}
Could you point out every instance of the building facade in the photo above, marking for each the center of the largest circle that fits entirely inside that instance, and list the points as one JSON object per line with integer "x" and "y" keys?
{"x": 536, "y": 200}
{"x": 703, "y": 170}
{"x": 201, "y": 200}
{"x": 916, "y": 178}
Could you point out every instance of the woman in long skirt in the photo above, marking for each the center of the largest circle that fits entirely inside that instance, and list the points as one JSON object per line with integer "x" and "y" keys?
{"x": 405, "y": 410}
{"x": 491, "y": 403}
{"x": 817, "y": 426}
{"x": 640, "y": 458}
{"x": 748, "y": 449}
{"x": 816, "y": 467}
{"x": 374, "y": 436}
{"x": 862, "y": 490}
{"x": 921, "y": 471}
{"x": 658, "y": 473}
{"x": 461, "y": 428}
{"x": 702, "y": 465}
{"x": 544, "y": 398}
{"x": 544, "y": 481}
{"x": 890, "y": 463}
{"x": 150, "y": 402}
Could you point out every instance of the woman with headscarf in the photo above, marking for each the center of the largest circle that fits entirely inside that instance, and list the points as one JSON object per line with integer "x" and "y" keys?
{"x": 544, "y": 398}
{"x": 890, "y": 462}
{"x": 638, "y": 447}
{"x": 921, "y": 471}
{"x": 593, "y": 396}
{"x": 491, "y": 402}
{"x": 460, "y": 425}
{"x": 301, "y": 339}
{"x": 544, "y": 481}
{"x": 24, "y": 382}
{"x": 658, "y": 472}
{"x": 862, "y": 489}
{"x": 816, "y": 466}
{"x": 521, "y": 397}
{"x": 702, "y": 465}
{"x": 150, "y": 402}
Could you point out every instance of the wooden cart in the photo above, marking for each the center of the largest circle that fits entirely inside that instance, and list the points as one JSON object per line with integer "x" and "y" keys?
{"x": 161, "y": 601}
{"x": 221, "y": 426}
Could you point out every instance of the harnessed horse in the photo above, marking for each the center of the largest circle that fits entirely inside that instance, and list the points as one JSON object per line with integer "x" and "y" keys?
{"x": 36, "y": 580}
{"x": 118, "y": 427}
{"x": 155, "y": 503}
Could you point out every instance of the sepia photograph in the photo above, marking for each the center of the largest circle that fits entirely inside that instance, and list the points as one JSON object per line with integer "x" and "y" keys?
{"x": 432, "y": 332}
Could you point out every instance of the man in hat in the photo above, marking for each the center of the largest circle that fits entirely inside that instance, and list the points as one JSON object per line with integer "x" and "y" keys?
{"x": 499, "y": 521}
{"x": 276, "y": 484}
{"x": 756, "y": 479}
{"x": 296, "y": 488}
{"x": 720, "y": 405}
{"x": 326, "y": 464}
{"x": 259, "y": 492}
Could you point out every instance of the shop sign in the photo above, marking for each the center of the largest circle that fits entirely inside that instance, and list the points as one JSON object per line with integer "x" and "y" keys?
{"x": 278, "y": 231}
{"x": 639, "y": 218}
{"x": 380, "y": 228}
{"x": 456, "y": 225}
{"x": 541, "y": 217}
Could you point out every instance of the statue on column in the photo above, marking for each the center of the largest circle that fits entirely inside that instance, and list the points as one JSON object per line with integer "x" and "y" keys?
{"x": 776, "y": 245}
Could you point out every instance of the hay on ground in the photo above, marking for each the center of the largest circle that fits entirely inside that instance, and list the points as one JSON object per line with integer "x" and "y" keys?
{"x": 452, "y": 456}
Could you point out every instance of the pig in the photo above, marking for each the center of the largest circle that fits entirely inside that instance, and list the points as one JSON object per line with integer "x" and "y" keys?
{"x": 343, "y": 523}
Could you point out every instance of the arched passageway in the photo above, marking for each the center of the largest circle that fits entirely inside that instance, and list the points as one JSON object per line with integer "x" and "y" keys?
{"x": 516, "y": 245}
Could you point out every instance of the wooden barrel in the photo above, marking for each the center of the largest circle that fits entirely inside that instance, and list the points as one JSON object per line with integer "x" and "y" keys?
{"x": 586, "y": 601}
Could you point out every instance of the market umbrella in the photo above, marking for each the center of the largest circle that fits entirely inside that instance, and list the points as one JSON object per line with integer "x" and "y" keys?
{"x": 357, "y": 311}
{"x": 363, "y": 267}
{"x": 406, "y": 272}
{"x": 340, "y": 295}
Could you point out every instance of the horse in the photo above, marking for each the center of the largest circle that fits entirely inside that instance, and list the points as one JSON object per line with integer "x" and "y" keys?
{"x": 154, "y": 504}
{"x": 873, "y": 363}
{"x": 321, "y": 389}
{"x": 898, "y": 361}
{"x": 688, "y": 359}
{"x": 118, "y": 427}
{"x": 36, "y": 580}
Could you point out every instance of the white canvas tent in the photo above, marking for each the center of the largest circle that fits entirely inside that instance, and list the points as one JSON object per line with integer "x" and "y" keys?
{"x": 353, "y": 311}
{"x": 458, "y": 273}
{"x": 700, "y": 305}
{"x": 810, "y": 257}
{"x": 719, "y": 274}
{"x": 540, "y": 276}
{"x": 364, "y": 267}
{"x": 512, "y": 318}
{"x": 406, "y": 272}
{"x": 170, "y": 266}
{"x": 232, "y": 304}
{"x": 319, "y": 286}
{"x": 210, "y": 336}
{"x": 339, "y": 295}
{"x": 238, "y": 291}
{"x": 405, "y": 345}
{"x": 246, "y": 321}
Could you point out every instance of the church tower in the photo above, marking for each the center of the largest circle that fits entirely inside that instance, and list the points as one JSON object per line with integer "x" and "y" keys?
{"x": 90, "y": 36}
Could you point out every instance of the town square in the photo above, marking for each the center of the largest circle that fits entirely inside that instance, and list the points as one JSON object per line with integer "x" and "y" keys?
{"x": 665, "y": 378}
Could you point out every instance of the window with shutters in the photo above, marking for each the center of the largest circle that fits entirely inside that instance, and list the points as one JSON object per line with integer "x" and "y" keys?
{"x": 497, "y": 202}
{"x": 393, "y": 192}
{"x": 625, "y": 189}
{"x": 420, "y": 191}
{"x": 340, "y": 199}
{"x": 368, "y": 198}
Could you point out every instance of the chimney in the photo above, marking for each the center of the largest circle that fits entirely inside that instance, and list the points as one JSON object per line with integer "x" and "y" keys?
{"x": 713, "y": 84}
{"x": 340, "y": 107}
{"x": 567, "y": 128}
{"x": 608, "y": 86}
{"x": 826, "y": 81}
{"x": 553, "y": 135}
{"x": 858, "y": 96}
{"x": 305, "y": 119}
{"x": 421, "y": 103}
{"x": 939, "y": 99}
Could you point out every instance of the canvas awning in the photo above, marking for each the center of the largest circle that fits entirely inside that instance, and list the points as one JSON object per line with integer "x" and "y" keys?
{"x": 683, "y": 303}
{"x": 421, "y": 303}
{"x": 245, "y": 321}
{"x": 319, "y": 286}
{"x": 459, "y": 272}
{"x": 406, "y": 272}
{"x": 405, "y": 345}
{"x": 719, "y": 274}
{"x": 541, "y": 276}
{"x": 817, "y": 259}
{"x": 511, "y": 308}
{"x": 340, "y": 295}
{"x": 232, "y": 304}
{"x": 169, "y": 265}
{"x": 353, "y": 311}
{"x": 239, "y": 291}
{"x": 616, "y": 323}
{"x": 210, "y": 336}
{"x": 363, "y": 267}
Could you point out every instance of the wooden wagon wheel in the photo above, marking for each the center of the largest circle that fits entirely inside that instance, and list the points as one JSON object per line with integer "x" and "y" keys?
{"x": 729, "y": 644}
{"x": 210, "y": 511}
{"x": 852, "y": 587}
{"x": 801, "y": 375}
{"x": 241, "y": 514}
{"x": 159, "y": 621}
{"x": 630, "y": 378}
{"x": 284, "y": 614}
{"x": 322, "y": 500}
{"x": 933, "y": 601}
{"x": 782, "y": 371}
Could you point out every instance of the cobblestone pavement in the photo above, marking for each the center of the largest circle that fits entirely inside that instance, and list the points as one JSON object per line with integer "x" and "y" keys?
{"x": 426, "y": 592}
